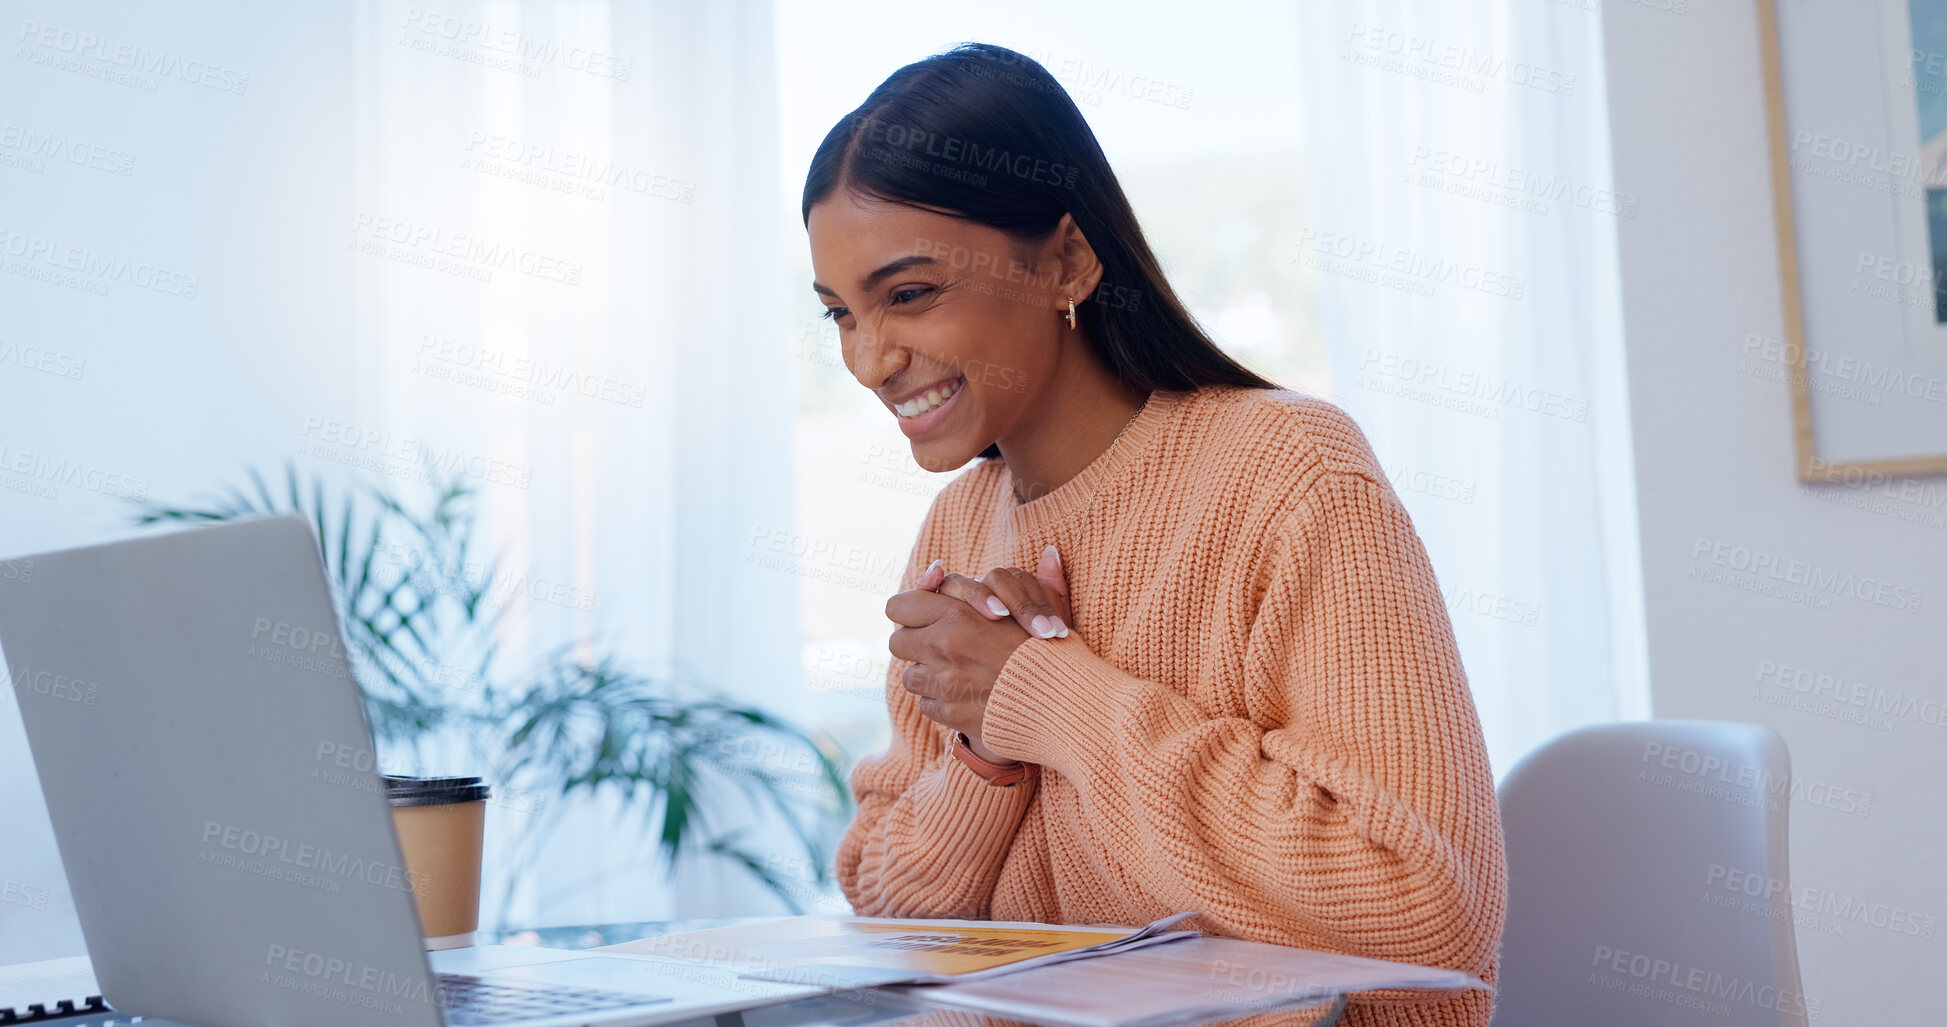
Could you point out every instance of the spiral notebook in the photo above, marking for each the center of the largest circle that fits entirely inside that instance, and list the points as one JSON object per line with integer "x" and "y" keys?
{"x": 48, "y": 990}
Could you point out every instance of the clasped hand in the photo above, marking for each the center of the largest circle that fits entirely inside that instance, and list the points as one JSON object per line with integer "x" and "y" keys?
{"x": 956, "y": 632}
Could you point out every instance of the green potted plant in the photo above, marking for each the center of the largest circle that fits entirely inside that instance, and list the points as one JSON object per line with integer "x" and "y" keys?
{"x": 420, "y": 611}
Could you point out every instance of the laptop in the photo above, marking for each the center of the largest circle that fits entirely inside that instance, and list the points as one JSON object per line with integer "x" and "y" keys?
{"x": 184, "y": 697}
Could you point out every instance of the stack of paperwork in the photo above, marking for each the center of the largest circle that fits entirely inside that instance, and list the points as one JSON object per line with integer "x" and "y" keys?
{"x": 1046, "y": 973}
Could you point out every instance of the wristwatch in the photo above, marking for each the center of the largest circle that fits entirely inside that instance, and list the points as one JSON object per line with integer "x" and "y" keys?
{"x": 1005, "y": 775}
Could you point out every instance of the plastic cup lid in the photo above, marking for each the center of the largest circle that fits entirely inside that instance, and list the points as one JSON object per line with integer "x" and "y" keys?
{"x": 433, "y": 791}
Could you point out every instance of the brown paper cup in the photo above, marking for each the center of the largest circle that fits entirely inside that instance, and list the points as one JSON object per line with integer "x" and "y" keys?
{"x": 440, "y": 822}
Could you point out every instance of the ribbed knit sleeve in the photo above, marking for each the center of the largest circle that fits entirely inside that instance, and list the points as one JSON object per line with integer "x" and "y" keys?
{"x": 930, "y": 834}
{"x": 1339, "y": 819}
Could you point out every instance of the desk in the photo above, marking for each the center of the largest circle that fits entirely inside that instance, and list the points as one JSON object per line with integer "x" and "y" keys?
{"x": 870, "y": 1008}
{"x": 876, "y": 1008}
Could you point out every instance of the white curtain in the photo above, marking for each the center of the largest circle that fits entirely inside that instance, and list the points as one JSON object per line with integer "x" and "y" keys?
{"x": 1463, "y": 242}
{"x": 628, "y": 360}
{"x": 535, "y": 242}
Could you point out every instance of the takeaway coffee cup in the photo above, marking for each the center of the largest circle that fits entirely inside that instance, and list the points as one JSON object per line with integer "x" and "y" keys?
{"x": 440, "y": 821}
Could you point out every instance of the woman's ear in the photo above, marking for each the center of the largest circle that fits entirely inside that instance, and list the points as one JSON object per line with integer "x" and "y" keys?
{"x": 1081, "y": 269}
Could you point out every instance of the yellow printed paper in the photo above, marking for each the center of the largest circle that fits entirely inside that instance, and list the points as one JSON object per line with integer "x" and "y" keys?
{"x": 916, "y": 947}
{"x": 937, "y": 950}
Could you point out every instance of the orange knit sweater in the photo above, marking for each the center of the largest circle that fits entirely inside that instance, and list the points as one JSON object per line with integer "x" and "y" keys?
{"x": 1261, "y": 713}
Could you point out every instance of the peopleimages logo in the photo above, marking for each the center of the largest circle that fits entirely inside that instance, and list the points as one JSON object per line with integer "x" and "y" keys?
{"x": 132, "y": 58}
{"x": 510, "y": 157}
{"x": 822, "y": 559}
{"x": 313, "y": 973}
{"x": 1690, "y": 985}
{"x": 522, "y": 369}
{"x": 91, "y": 269}
{"x": 476, "y": 257}
{"x": 1924, "y": 708}
{"x": 1448, "y": 63}
{"x": 1413, "y": 265}
{"x": 1806, "y": 575}
{"x": 42, "y": 359}
{"x": 27, "y": 680}
{"x": 378, "y": 449}
{"x": 296, "y": 636}
{"x": 1485, "y": 171}
{"x": 1880, "y": 377}
{"x": 20, "y": 893}
{"x": 1744, "y": 784}
{"x": 1474, "y": 389}
{"x": 516, "y": 44}
{"x": 272, "y": 849}
{"x": 66, "y": 149}
{"x": 1026, "y": 166}
{"x": 1822, "y": 902}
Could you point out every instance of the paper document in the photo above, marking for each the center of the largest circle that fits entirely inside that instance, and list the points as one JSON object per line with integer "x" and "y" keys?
{"x": 856, "y": 952}
{"x": 1196, "y": 980}
{"x": 46, "y": 983}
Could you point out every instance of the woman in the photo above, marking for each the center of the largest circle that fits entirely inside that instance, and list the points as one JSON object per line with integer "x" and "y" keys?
{"x": 1172, "y": 644}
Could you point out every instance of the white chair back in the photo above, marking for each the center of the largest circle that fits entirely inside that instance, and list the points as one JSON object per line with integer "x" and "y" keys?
{"x": 1647, "y": 880}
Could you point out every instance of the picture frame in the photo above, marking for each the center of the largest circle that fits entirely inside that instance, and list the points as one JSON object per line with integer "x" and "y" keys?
{"x": 1858, "y": 200}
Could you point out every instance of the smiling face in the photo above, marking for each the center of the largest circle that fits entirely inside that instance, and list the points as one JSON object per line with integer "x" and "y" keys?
{"x": 959, "y": 328}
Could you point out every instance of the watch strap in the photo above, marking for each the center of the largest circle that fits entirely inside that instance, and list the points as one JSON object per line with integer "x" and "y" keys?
{"x": 1004, "y": 775}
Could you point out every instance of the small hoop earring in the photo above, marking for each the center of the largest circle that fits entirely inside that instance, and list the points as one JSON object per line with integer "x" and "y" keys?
{"x": 1071, "y": 312}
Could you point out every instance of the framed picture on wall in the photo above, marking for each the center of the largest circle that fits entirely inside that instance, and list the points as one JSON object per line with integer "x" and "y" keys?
{"x": 1856, "y": 110}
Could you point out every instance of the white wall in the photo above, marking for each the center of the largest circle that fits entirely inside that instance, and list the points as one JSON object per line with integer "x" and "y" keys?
{"x": 167, "y": 392}
{"x": 1714, "y": 464}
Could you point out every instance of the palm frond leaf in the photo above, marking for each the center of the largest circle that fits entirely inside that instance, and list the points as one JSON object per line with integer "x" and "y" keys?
{"x": 413, "y": 600}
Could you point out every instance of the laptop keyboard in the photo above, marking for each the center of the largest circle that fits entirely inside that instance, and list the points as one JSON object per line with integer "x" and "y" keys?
{"x": 469, "y": 1000}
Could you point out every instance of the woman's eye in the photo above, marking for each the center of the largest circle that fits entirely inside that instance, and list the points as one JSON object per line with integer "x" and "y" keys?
{"x": 898, "y": 296}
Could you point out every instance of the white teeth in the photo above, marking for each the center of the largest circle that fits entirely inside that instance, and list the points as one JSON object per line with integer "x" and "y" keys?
{"x": 931, "y": 398}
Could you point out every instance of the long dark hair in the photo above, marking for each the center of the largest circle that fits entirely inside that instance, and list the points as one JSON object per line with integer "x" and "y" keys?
{"x": 985, "y": 133}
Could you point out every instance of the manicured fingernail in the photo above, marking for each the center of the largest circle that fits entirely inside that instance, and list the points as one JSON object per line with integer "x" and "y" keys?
{"x": 994, "y": 603}
{"x": 1061, "y": 630}
{"x": 1052, "y": 551}
{"x": 1042, "y": 627}
{"x": 931, "y": 567}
